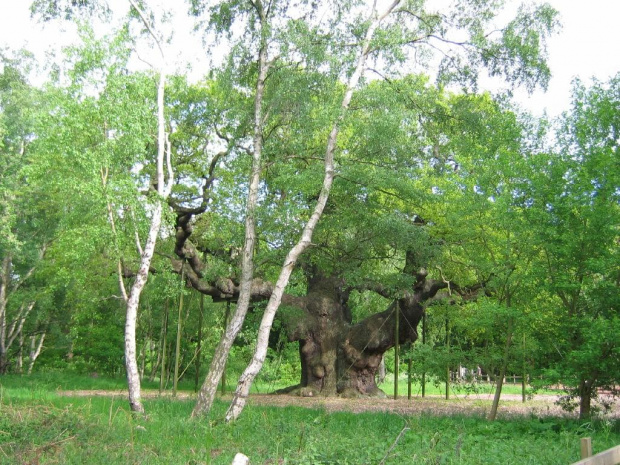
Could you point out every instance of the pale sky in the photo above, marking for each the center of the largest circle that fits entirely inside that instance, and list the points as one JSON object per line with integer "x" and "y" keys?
{"x": 586, "y": 47}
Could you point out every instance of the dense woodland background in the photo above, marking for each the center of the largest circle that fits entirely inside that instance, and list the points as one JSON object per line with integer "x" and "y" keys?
{"x": 449, "y": 208}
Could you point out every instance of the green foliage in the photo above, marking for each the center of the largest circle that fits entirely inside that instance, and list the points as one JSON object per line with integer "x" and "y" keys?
{"x": 18, "y": 206}
{"x": 515, "y": 51}
{"x": 48, "y": 10}
{"x": 524, "y": 37}
{"x": 575, "y": 213}
{"x": 459, "y": 180}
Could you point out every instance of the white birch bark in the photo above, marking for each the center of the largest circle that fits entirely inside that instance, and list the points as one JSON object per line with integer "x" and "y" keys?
{"x": 207, "y": 392}
{"x": 246, "y": 379}
{"x": 18, "y": 323}
{"x": 9, "y": 333}
{"x": 19, "y": 366}
{"x": 35, "y": 350}
{"x": 4, "y": 284}
{"x": 163, "y": 191}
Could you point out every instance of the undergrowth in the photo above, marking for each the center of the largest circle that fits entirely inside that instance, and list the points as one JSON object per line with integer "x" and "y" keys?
{"x": 44, "y": 428}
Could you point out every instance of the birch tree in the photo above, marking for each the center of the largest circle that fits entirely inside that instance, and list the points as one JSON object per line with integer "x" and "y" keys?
{"x": 218, "y": 364}
{"x": 161, "y": 186}
{"x": 246, "y": 379}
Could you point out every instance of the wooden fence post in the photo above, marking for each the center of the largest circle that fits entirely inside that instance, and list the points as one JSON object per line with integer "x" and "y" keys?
{"x": 409, "y": 366}
{"x": 607, "y": 457}
{"x": 586, "y": 448}
{"x": 424, "y": 342}
{"x": 396, "y": 350}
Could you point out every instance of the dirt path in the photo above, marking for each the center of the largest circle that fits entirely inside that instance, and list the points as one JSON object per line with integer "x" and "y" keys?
{"x": 479, "y": 404}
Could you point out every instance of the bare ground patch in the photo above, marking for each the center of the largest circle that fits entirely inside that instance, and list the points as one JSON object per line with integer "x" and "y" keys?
{"x": 478, "y": 405}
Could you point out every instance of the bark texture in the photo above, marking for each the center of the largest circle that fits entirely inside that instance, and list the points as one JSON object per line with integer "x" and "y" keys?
{"x": 339, "y": 357}
{"x": 585, "y": 399}
{"x": 163, "y": 189}
{"x": 206, "y": 395}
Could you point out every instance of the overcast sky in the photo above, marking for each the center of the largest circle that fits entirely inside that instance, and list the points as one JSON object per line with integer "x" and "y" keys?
{"x": 587, "y": 46}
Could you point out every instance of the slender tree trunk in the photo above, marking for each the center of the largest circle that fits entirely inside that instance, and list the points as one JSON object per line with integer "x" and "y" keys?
{"x": 131, "y": 364}
{"x": 4, "y": 285}
{"x": 424, "y": 342}
{"x": 226, "y": 318}
{"x": 155, "y": 356}
{"x": 246, "y": 379}
{"x": 524, "y": 373}
{"x": 142, "y": 358}
{"x": 409, "y": 380}
{"x": 164, "y": 335}
{"x": 199, "y": 342}
{"x": 133, "y": 378}
{"x": 163, "y": 191}
{"x": 448, "y": 363}
{"x": 500, "y": 382}
{"x": 20, "y": 354}
{"x": 35, "y": 350}
{"x": 585, "y": 399}
{"x": 70, "y": 351}
{"x": 396, "y": 349}
{"x": 218, "y": 364}
{"x": 170, "y": 366}
{"x": 177, "y": 347}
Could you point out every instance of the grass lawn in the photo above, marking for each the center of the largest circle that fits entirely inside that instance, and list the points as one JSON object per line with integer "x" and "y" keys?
{"x": 39, "y": 426}
{"x": 456, "y": 389}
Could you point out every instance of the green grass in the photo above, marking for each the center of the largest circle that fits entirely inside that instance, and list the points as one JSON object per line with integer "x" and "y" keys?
{"x": 41, "y": 427}
{"x": 52, "y": 381}
{"x": 456, "y": 389}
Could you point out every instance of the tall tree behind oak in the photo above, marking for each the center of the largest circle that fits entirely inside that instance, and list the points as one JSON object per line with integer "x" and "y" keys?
{"x": 247, "y": 377}
{"x": 480, "y": 208}
{"x": 575, "y": 213}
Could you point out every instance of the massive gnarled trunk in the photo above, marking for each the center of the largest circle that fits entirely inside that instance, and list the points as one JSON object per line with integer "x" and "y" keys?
{"x": 339, "y": 357}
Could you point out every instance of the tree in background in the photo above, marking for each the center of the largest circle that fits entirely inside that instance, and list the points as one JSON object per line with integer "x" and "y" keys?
{"x": 480, "y": 167}
{"x": 26, "y": 229}
{"x": 574, "y": 212}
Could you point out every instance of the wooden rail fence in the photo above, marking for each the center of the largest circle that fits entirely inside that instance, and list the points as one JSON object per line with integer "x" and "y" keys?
{"x": 608, "y": 457}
